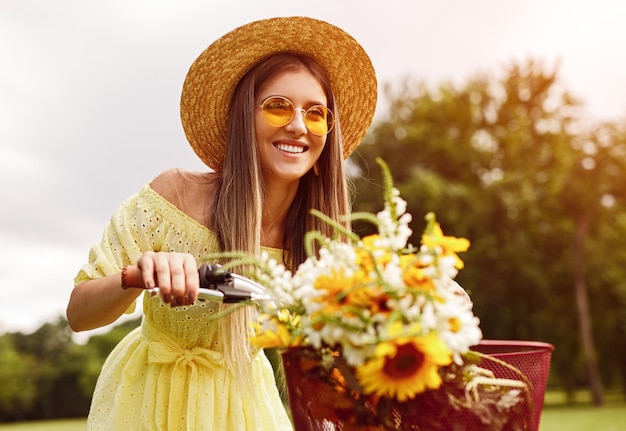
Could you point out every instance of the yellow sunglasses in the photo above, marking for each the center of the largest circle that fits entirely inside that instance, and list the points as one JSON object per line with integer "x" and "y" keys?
{"x": 278, "y": 111}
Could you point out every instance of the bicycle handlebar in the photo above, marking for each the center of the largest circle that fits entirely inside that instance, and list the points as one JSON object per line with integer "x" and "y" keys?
{"x": 215, "y": 285}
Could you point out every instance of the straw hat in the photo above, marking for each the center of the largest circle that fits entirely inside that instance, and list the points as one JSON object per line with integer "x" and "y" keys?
{"x": 212, "y": 78}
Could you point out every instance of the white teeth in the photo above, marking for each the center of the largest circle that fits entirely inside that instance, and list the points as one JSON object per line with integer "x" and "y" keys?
{"x": 290, "y": 148}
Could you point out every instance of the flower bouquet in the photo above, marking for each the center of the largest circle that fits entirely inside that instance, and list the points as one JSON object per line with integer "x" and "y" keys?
{"x": 376, "y": 334}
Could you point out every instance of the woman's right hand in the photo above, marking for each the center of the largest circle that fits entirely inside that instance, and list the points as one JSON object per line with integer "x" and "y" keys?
{"x": 175, "y": 275}
{"x": 100, "y": 301}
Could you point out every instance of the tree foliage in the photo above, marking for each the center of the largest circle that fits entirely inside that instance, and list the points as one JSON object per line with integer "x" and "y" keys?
{"x": 17, "y": 385}
{"x": 46, "y": 375}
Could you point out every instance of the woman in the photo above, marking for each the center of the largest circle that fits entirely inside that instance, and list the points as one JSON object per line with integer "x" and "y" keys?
{"x": 273, "y": 108}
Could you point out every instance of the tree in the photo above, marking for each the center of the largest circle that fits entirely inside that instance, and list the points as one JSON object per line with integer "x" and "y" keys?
{"x": 46, "y": 375}
{"x": 53, "y": 373}
{"x": 17, "y": 385}
{"x": 597, "y": 198}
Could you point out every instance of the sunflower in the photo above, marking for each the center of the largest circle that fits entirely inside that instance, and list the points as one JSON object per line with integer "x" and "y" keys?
{"x": 404, "y": 367}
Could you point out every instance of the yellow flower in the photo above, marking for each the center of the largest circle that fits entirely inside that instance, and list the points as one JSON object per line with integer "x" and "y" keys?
{"x": 268, "y": 338}
{"x": 369, "y": 241}
{"x": 370, "y": 297}
{"x": 343, "y": 291}
{"x": 334, "y": 284}
{"x": 364, "y": 257}
{"x": 405, "y": 367}
{"x": 414, "y": 275}
{"x": 450, "y": 245}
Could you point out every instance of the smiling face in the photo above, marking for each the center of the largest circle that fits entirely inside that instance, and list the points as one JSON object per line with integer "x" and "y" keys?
{"x": 290, "y": 151}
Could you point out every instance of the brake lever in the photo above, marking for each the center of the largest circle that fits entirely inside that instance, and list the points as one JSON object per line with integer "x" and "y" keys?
{"x": 232, "y": 287}
{"x": 223, "y": 286}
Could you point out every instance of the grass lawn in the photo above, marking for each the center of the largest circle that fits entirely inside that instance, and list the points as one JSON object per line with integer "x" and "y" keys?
{"x": 584, "y": 418}
{"x": 556, "y": 416}
{"x": 581, "y": 415}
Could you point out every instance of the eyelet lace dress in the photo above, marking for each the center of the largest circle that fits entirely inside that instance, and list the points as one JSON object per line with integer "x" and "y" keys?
{"x": 170, "y": 373}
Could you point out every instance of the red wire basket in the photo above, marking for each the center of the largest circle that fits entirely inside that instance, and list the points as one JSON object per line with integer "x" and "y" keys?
{"x": 323, "y": 400}
{"x": 531, "y": 358}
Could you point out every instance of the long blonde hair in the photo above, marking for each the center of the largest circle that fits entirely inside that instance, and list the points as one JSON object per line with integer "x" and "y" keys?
{"x": 237, "y": 207}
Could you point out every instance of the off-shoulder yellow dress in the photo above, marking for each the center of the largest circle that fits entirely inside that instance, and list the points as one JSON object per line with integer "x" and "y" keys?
{"x": 169, "y": 374}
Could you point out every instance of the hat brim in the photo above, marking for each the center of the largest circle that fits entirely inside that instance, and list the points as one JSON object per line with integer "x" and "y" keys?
{"x": 212, "y": 78}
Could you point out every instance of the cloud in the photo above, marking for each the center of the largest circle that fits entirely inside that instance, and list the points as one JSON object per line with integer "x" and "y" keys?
{"x": 36, "y": 281}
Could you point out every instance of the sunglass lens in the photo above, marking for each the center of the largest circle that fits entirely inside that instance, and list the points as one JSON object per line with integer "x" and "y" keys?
{"x": 319, "y": 120}
{"x": 277, "y": 111}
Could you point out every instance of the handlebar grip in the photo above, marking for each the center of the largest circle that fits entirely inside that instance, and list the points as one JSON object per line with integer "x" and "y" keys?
{"x": 209, "y": 278}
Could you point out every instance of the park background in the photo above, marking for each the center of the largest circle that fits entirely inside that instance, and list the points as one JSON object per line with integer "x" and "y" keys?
{"x": 505, "y": 118}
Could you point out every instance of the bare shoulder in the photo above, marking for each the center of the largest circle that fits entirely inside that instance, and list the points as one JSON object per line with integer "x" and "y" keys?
{"x": 190, "y": 191}
{"x": 175, "y": 178}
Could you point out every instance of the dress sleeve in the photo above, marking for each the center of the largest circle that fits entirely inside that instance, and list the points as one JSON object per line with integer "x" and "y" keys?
{"x": 134, "y": 228}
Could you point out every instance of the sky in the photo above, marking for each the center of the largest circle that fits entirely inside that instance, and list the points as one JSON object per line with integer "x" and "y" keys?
{"x": 89, "y": 96}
